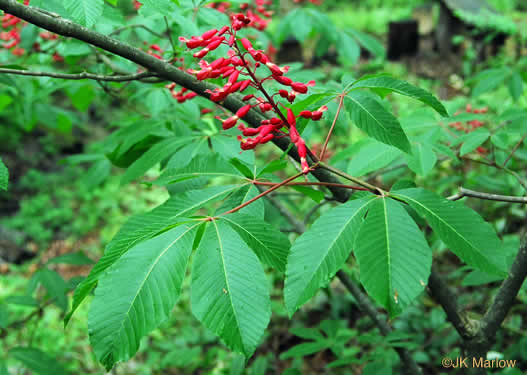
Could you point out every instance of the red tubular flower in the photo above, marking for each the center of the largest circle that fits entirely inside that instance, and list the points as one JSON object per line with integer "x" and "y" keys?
{"x": 244, "y": 85}
{"x": 302, "y": 152}
{"x": 201, "y": 53}
{"x": 275, "y": 70}
{"x": 299, "y": 87}
{"x": 246, "y": 44}
{"x": 284, "y": 80}
{"x": 209, "y": 34}
{"x": 239, "y": 62}
{"x": 291, "y": 119}
{"x": 243, "y": 110}
{"x": 229, "y": 123}
{"x": 215, "y": 44}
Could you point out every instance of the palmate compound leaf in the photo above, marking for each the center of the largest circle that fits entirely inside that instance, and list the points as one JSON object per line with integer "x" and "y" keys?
{"x": 270, "y": 245}
{"x": 145, "y": 226}
{"x": 371, "y": 116}
{"x": 137, "y": 293}
{"x": 320, "y": 252}
{"x": 393, "y": 255}
{"x": 460, "y": 228}
{"x": 229, "y": 291}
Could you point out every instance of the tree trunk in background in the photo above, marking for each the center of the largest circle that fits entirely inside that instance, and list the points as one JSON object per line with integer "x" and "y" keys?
{"x": 447, "y": 26}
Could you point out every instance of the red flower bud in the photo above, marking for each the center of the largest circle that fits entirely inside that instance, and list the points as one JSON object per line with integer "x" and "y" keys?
{"x": 234, "y": 77}
{"x": 215, "y": 44}
{"x": 275, "y": 70}
{"x": 291, "y": 119}
{"x": 229, "y": 123}
{"x": 248, "y": 132}
{"x": 306, "y": 114}
{"x": 316, "y": 115}
{"x": 201, "y": 53}
{"x": 246, "y": 44}
{"x": 266, "y": 138}
{"x": 223, "y": 30}
{"x": 243, "y": 110}
{"x": 244, "y": 85}
{"x": 299, "y": 87}
{"x": 248, "y": 97}
{"x": 284, "y": 80}
{"x": 209, "y": 34}
{"x": 293, "y": 134}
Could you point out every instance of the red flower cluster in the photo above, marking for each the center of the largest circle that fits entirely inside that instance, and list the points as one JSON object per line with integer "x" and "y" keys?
{"x": 316, "y": 2}
{"x": 470, "y": 126}
{"x": 257, "y": 14}
{"x": 13, "y": 25}
{"x": 182, "y": 95}
{"x": 240, "y": 68}
{"x": 155, "y": 50}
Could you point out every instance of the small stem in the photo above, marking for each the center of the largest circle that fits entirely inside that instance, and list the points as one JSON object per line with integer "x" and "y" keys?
{"x": 80, "y": 76}
{"x": 373, "y": 189}
{"x": 514, "y": 149}
{"x": 273, "y": 188}
{"x": 313, "y": 183}
{"x": 169, "y": 33}
{"x": 341, "y": 101}
{"x": 488, "y": 196}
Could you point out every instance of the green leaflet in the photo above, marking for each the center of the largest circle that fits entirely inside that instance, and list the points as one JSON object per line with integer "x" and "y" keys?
{"x": 393, "y": 255}
{"x": 229, "y": 291}
{"x": 4, "y": 176}
{"x": 473, "y": 140}
{"x": 39, "y": 362}
{"x": 154, "y": 155}
{"x": 137, "y": 293}
{"x": 269, "y": 244}
{"x": 211, "y": 166}
{"x": 85, "y": 12}
{"x": 463, "y": 230}
{"x": 320, "y": 252}
{"x": 242, "y": 195}
{"x": 386, "y": 82}
{"x": 146, "y": 226}
{"x": 371, "y": 116}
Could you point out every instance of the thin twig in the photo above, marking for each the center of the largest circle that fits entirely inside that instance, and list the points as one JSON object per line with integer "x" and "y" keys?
{"x": 358, "y": 181}
{"x": 170, "y": 37}
{"x": 136, "y": 26}
{"x": 330, "y": 132}
{"x": 367, "y": 307}
{"x": 441, "y": 292}
{"x": 312, "y": 183}
{"x": 314, "y": 209}
{"x": 507, "y": 292}
{"x": 297, "y": 226}
{"x": 79, "y": 76}
{"x": 264, "y": 193}
{"x": 516, "y": 146}
{"x": 492, "y": 197}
